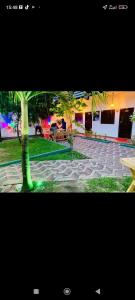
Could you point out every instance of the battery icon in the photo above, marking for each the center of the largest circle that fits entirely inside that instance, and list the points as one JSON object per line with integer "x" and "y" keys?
{"x": 123, "y": 6}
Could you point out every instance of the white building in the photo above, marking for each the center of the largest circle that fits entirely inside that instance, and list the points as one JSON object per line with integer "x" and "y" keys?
{"x": 112, "y": 119}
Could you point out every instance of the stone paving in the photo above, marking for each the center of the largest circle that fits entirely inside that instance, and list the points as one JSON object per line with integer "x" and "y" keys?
{"x": 103, "y": 160}
{"x": 69, "y": 186}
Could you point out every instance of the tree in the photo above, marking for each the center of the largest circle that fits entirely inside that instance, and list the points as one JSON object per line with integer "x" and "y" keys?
{"x": 10, "y": 102}
{"x": 24, "y": 98}
{"x": 67, "y": 103}
{"x": 7, "y": 106}
{"x": 66, "y": 106}
{"x": 40, "y": 107}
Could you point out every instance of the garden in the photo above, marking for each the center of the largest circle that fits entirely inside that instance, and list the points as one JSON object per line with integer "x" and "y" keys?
{"x": 10, "y": 150}
{"x": 42, "y": 162}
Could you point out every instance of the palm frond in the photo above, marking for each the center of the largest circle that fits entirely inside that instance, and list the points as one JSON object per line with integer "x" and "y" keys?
{"x": 98, "y": 100}
{"x": 37, "y": 93}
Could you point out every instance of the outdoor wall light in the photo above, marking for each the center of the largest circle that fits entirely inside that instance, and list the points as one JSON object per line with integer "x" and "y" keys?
{"x": 112, "y": 105}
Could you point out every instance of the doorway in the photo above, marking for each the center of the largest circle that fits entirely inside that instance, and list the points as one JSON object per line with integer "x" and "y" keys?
{"x": 88, "y": 121}
{"x": 125, "y": 125}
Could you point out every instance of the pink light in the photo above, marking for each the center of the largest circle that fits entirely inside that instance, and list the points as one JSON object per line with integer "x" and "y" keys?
{"x": 3, "y": 125}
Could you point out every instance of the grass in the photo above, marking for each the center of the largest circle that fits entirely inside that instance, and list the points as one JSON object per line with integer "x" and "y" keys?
{"x": 11, "y": 150}
{"x": 108, "y": 184}
{"x": 63, "y": 156}
{"x": 44, "y": 187}
{"x": 98, "y": 185}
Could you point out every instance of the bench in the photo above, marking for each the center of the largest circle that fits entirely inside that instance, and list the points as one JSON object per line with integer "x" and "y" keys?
{"x": 61, "y": 135}
{"x": 130, "y": 163}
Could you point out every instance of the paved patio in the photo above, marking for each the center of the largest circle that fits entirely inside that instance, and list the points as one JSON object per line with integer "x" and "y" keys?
{"x": 103, "y": 161}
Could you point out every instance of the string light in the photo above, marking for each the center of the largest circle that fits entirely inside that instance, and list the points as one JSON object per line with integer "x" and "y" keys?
{"x": 6, "y": 121}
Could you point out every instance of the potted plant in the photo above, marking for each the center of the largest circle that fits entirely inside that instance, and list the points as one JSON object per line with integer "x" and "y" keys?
{"x": 88, "y": 133}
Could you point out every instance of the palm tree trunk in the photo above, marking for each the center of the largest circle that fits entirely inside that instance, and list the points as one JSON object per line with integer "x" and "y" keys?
{"x": 27, "y": 181}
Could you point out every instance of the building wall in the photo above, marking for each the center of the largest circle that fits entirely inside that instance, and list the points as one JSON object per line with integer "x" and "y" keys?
{"x": 120, "y": 100}
{"x": 106, "y": 129}
{"x": 10, "y": 133}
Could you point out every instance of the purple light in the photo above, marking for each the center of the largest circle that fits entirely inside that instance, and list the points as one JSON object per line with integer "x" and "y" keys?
{"x": 3, "y": 125}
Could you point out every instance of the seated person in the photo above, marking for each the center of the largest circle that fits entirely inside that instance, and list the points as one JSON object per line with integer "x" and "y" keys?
{"x": 53, "y": 130}
{"x": 63, "y": 124}
{"x": 59, "y": 124}
{"x": 38, "y": 128}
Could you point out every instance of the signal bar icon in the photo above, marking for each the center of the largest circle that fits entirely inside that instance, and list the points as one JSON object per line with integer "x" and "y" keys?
{"x": 113, "y": 7}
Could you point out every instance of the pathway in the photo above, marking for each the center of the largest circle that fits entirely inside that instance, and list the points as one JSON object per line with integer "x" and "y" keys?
{"x": 103, "y": 160}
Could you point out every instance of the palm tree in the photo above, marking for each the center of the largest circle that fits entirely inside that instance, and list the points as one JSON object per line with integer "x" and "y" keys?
{"x": 98, "y": 99}
{"x": 24, "y": 98}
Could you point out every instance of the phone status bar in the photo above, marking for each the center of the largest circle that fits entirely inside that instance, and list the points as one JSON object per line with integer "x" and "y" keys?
{"x": 24, "y": 9}
{"x": 19, "y": 8}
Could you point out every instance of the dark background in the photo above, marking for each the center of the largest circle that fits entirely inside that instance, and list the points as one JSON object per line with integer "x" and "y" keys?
{"x": 49, "y": 240}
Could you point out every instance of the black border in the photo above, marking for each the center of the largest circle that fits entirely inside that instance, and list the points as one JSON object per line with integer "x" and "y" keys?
{"x": 78, "y": 238}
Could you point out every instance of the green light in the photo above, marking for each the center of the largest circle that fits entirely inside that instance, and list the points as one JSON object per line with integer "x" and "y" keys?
{"x": 39, "y": 183}
{"x": 12, "y": 124}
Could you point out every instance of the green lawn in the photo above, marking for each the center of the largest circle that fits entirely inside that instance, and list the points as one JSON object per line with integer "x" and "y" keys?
{"x": 108, "y": 184}
{"x": 62, "y": 156}
{"x": 11, "y": 150}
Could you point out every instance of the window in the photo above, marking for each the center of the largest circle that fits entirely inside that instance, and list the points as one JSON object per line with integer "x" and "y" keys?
{"x": 107, "y": 116}
{"x": 96, "y": 116}
{"x": 79, "y": 117}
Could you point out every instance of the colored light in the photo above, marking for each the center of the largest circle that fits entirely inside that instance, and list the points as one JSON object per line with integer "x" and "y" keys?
{"x": 3, "y": 125}
{"x": 12, "y": 124}
{"x": 49, "y": 119}
{"x": 39, "y": 183}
